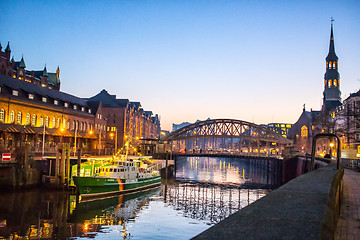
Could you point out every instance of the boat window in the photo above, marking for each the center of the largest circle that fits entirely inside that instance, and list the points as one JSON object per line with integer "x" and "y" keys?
{"x": 111, "y": 169}
{"x": 107, "y": 170}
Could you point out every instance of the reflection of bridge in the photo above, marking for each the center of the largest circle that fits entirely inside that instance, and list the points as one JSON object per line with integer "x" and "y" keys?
{"x": 227, "y": 136}
{"x": 209, "y": 202}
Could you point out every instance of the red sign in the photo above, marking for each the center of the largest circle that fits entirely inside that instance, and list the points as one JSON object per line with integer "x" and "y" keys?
{"x": 6, "y": 156}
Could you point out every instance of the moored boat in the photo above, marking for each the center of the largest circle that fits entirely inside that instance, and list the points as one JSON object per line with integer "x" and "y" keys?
{"x": 119, "y": 177}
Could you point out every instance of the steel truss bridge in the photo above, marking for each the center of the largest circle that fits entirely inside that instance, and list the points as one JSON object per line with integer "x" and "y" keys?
{"x": 227, "y": 136}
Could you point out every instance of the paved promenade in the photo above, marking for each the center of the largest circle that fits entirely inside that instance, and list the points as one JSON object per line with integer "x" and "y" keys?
{"x": 348, "y": 226}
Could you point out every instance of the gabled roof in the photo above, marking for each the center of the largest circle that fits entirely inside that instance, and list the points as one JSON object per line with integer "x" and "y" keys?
{"x": 105, "y": 98}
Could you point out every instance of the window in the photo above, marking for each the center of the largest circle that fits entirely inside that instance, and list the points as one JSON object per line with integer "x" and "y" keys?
{"x": 28, "y": 117}
{"x": 64, "y": 123}
{"x": 68, "y": 124}
{"x": 304, "y": 131}
{"x": 15, "y": 92}
{"x": 2, "y": 115}
{"x": 89, "y": 110}
{"x": 335, "y": 83}
{"x": 12, "y": 116}
{"x": 82, "y": 109}
{"x": 33, "y": 122}
{"x": 73, "y": 125}
{"x": 329, "y": 83}
{"x": 53, "y": 122}
{"x": 47, "y": 121}
{"x": 44, "y": 99}
{"x": 31, "y": 96}
{"x": 58, "y": 123}
{"x": 19, "y": 118}
{"x": 66, "y": 104}
{"x": 75, "y": 107}
{"x": 41, "y": 121}
{"x": 56, "y": 102}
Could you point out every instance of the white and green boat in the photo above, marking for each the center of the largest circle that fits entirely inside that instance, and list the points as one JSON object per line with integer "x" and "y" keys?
{"x": 120, "y": 177}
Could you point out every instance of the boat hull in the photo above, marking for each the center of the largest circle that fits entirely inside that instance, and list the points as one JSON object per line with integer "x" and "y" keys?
{"x": 89, "y": 187}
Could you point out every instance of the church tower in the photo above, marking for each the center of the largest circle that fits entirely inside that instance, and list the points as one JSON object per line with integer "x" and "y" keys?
{"x": 332, "y": 94}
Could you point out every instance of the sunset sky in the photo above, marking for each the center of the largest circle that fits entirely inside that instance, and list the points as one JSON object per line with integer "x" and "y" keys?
{"x": 257, "y": 61}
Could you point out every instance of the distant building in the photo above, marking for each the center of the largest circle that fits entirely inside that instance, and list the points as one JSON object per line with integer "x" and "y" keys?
{"x": 184, "y": 124}
{"x": 17, "y": 70}
{"x": 280, "y": 128}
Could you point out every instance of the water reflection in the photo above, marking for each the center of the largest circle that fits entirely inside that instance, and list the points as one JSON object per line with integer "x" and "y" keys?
{"x": 205, "y": 191}
{"x": 248, "y": 173}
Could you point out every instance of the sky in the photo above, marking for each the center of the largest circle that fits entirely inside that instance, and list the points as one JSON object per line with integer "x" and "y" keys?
{"x": 257, "y": 61}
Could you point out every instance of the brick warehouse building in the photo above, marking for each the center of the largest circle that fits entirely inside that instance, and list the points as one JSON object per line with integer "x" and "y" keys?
{"x": 31, "y": 102}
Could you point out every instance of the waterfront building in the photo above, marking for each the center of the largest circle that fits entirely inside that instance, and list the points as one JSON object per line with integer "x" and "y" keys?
{"x": 128, "y": 123}
{"x": 33, "y": 110}
{"x": 345, "y": 122}
{"x": 31, "y": 113}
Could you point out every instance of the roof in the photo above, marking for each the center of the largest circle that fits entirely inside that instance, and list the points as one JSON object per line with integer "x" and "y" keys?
{"x": 16, "y": 84}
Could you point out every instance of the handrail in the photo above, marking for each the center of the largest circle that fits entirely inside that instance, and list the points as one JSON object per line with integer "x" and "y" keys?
{"x": 316, "y": 137}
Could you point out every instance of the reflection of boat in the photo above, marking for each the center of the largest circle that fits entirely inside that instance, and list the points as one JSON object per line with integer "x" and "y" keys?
{"x": 89, "y": 209}
{"x": 121, "y": 177}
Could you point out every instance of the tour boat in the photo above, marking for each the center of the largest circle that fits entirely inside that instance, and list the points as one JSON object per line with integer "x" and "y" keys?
{"x": 120, "y": 177}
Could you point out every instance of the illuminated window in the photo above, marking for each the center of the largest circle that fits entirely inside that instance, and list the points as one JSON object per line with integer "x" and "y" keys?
{"x": 75, "y": 107}
{"x": 58, "y": 123}
{"x": 335, "y": 83}
{"x": 330, "y": 64}
{"x": 33, "y": 122}
{"x": 82, "y": 109}
{"x": 304, "y": 131}
{"x": 56, "y": 102}
{"x": 68, "y": 124}
{"x": 73, "y": 125}
{"x": 44, "y": 99}
{"x": 47, "y": 121}
{"x": 89, "y": 111}
{"x": 28, "y": 117}
{"x": 15, "y": 93}
{"x": 329, "y": 83}
{"x": 19, "y": 118}
{"x": 85, "y": 126}
{"x": 31, "y": 96}
{"x": 53, "y": 122}
{"x": 66, "y": 104}
{"x": 2, "y": 115}
{"x": 12, "y": 116}
{"x": 41, "y": 121}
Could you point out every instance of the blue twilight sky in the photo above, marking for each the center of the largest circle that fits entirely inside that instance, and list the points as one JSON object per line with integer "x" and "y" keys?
{"x": 258, "y": 61}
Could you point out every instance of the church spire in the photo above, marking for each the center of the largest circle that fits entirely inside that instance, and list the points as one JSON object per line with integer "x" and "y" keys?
{"x": 331, "y": 55}
{"x": 332, "y": 93}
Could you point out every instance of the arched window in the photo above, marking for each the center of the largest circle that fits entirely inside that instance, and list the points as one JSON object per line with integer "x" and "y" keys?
{"x": 41, "y": 121}
{"x": 19, "y": 118}
{"x": 335, "y": 83}
{"x": 68, "y": 124}
{"x": 330, "y": 65}
{"x": 12, "y": 116}
{"x": 73, "y": 125}
{"x": 2, "y": 115}
{"x": 53, "y": 122}
{"x": 64, "y": 123}
{"x": 85, "y": 126}
{"x": 329, "y": 83}
{"x": 28, "y": 116}
{"x": 33, "y": 122}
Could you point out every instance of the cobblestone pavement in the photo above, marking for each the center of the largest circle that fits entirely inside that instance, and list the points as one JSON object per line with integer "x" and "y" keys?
{"x": 349, "y": 221}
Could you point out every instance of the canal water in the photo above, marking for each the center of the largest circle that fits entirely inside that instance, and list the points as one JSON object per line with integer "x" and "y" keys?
{"x": 204, "y": 191}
